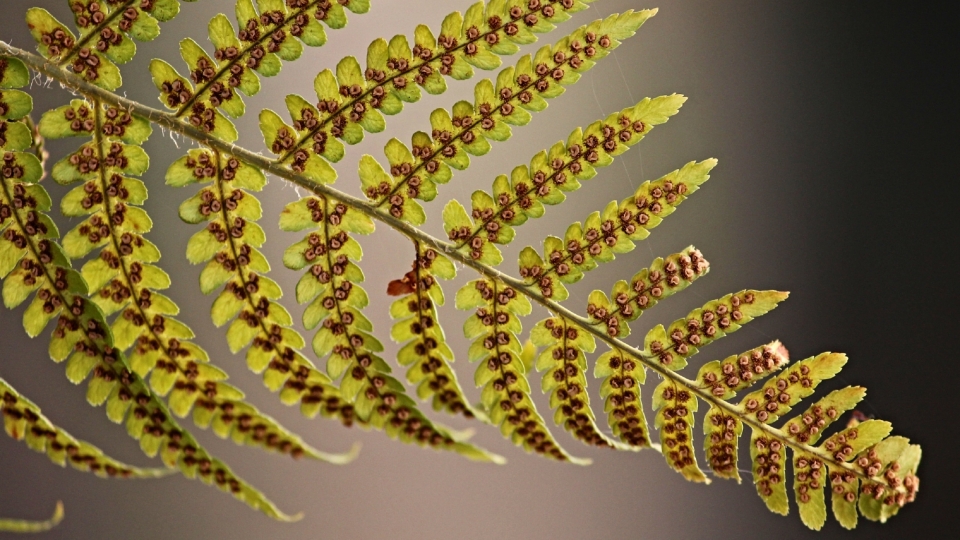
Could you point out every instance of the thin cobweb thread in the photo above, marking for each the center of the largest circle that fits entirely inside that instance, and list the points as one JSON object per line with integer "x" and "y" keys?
{"x": 623, "y": 162}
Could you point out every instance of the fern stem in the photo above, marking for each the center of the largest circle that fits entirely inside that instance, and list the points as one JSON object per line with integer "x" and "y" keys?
{"x": 172, "y": 123}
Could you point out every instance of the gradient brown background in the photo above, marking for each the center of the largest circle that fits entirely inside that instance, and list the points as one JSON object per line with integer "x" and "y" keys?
{"x": 835, "y": 127}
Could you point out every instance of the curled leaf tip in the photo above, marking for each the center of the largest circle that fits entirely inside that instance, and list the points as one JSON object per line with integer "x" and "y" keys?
{"x": 458, "y": 435}
{"x": 294, "y": 518}
{"x": 338, "y": 459}
{"x": 156, "y": 473}
{"x": 24, "y": 526}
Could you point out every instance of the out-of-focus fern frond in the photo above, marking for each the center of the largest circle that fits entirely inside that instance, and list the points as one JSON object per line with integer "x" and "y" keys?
{"x": 25, "y": 526}
{"x": 23, "y": 421}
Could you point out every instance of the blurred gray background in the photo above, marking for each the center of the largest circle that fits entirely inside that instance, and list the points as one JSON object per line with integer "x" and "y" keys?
{"x": 835, "y": 127}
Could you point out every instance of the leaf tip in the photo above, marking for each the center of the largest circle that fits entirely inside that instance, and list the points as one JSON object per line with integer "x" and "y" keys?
{"x": 58, "y": 514}
{"x": 781, "y": 351}
{"x": 338, "y": 459}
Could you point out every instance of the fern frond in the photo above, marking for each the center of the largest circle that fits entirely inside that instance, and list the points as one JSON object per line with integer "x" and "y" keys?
{"x": 263, "y": 39}
{"x": 468, "y": 128}
{"x": 664, "y": 278}
{"x": 869, "y": 472}
{"x": 672, "y": 346}
{"x": 107, "y": 30}
{"x": 247, "y": 299}
{"x": 24, "y": 526}
{"x": 861, "y": 453}
{"x": 23, "y": 421}
{"x": 31, "y": 261}
{"x": 417, "y": 329}
{"x": 122, "y": 278}
{"x": 564, "y": 363}
{"x": 553, "y": 172}
{"x": 621, "y": 375}
{"x": 604, "y": 234}
{"x": 501, "y": 372}
{"x": 332, "y": 287}
{"x": 723, "y": 379}
{"x": 353, "y": 100}
{"x": 83, "y": 335}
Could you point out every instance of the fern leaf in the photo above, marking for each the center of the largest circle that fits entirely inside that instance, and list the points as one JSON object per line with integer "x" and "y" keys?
{"x": 23, "y": 421}
{"x": 810, "y": 476}
{"x": 467, "y": 129}
{"x": 502, "y": 374}
{"x": 675, "y": 406}
{"x": 107, "y": 31}
{"x": 809, "y": 427}
{"x": 889, "y": 463}
{"x": 723, "y": 379}
{"x": 896, "y": 461}
{"x": 604, "y": 234}
{"x": 228, "y": 244}
{"x": 551, "y": 173}
{"x": 564, "y": 363}
{"x": 766, "y": 405}
{"x": 13, "y": 74}
{"x": 272, "y": 32}
{"x": 353, "y": 100}
{"x": 664, "y": 278}
{"x": 674, "y": 345}
{"x": 24, "y": 526}
{"x": 886, "y": 466}
{"x": 621, "y": 374}
{"x": 332, "y": 288}
{"x": 417, "y": 328}
{"x": 874, "y": 501}
{"x": 778, "y": 396}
